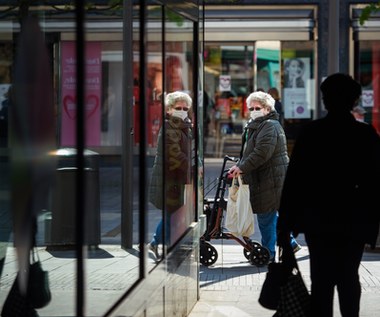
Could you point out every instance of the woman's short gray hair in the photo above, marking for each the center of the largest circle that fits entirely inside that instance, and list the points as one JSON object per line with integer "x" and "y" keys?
{"x": 266, "y": 100}
{"x": 172, "y": 98}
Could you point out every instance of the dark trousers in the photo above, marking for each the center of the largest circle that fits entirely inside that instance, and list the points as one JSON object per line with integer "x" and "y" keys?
{"x": 334, "y": 263}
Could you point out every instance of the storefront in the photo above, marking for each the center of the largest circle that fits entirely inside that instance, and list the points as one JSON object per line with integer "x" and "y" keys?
{"x": 365, "y": 49}
{"x": 253, "y": 48}
{"x": 77, "y": 152}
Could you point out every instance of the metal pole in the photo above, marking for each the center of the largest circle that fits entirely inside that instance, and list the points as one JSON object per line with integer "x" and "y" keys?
{"x": 127, "y": 128}
{"x": 333, "y": 45}
{"x": 80, "y": 138}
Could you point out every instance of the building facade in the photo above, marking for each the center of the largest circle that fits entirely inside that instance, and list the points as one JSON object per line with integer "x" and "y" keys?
{"x": 82, "y": 118}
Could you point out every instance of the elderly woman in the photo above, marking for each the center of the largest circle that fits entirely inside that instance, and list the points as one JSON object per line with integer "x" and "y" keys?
{"x": 263, "y": 163}
{"x": 177, "y": 164}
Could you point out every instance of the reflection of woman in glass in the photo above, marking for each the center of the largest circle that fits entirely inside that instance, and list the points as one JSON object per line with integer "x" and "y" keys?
{"x": 175, "y": 164}
{"x": 294, "y": 70}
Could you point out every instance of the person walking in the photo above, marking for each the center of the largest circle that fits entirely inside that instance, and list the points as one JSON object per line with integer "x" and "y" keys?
{"x": 263, "y": 163}
{"x": 332, "y": 203}
{"x": 174, "y": 166}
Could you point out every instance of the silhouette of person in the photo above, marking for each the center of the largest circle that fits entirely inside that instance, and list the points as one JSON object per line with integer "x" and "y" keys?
{"x": 332, "y": 203}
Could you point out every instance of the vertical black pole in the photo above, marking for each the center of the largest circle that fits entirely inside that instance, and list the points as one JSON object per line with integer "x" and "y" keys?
{"x": 334, "y": 30}
{"x": 127, "y": 128}
{"x": 198, "y": 126}
{"x": 142, "y": 127}
{"x": 80, "y": 124}
{"x": 164, "y": 214}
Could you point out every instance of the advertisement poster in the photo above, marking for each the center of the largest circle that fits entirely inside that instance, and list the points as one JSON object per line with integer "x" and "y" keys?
{"x": 93, "y": 76}
{"x": 225, "y": 83}
{"x": 367, "y": 98}
{"x": 297, "y": 88}
{"x": 295, "y": 103}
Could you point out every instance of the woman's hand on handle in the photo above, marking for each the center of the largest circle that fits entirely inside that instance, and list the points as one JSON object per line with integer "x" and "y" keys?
{"x": 235, "y": 171}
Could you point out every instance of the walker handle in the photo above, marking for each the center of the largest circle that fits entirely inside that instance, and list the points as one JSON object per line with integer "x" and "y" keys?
{"x": 230, "y": 158}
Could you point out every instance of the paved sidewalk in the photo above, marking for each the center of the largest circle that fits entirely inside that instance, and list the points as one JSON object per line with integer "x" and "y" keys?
{"x": 231, "y": 286}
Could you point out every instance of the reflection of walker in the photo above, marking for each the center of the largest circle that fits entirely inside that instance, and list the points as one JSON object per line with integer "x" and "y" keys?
{"x": 253, "y": 251}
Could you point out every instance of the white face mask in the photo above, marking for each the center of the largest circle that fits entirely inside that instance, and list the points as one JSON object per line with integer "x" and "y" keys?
{"x": 256, "y": 114}
{"x": 182, "y": 114}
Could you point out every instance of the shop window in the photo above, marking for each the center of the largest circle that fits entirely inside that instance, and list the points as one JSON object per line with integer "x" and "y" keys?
{"x": 229, "y": 78}
{"x": 298, "y": 94}
{"x": 369, "y": 77}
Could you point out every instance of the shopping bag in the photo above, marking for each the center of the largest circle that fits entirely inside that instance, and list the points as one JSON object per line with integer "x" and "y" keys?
{"x": 39, "y": 293}
{"x": 17, "y": 304}
{"x": 294, "y": 298}
{"x": 284, "y": 289}
{"x": 275, "y": 278}
{"x": 239, "y": 216}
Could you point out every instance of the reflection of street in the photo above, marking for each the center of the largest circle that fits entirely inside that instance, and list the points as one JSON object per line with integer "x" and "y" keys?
{"x": 110, "y": 269}
{"x": 110, "y": 206}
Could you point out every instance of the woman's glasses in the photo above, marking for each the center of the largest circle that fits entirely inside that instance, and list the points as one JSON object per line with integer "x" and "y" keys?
{"x": 182, "y": 108}
{"x": 255, "y": 108}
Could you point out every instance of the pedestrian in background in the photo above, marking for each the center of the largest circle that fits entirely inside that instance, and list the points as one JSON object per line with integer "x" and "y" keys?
{"x": 173, "y": 166}
{"x": 329, "y": 200}
{"x": 263, "y": 163}
{"x": 273, "y": 91}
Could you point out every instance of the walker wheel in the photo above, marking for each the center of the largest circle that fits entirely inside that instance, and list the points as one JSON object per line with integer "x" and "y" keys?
{"x": 254, "y": 244}
{"x": 208, "y": 253}
{"x": 259, "y": 256}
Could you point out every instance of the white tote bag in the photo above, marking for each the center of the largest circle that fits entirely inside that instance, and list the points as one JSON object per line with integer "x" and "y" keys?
{"x": 239, "y": 215}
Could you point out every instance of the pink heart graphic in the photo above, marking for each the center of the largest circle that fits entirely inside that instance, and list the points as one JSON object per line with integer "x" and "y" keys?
{"x": 70, "y": 105}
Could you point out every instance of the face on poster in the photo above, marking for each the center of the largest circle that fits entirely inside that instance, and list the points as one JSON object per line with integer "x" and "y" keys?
{"x": 297, "y": 93}
{"x": 225, "y": 83}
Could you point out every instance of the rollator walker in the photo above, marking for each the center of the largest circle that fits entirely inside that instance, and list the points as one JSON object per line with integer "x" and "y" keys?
{"x": 214, "y": 209}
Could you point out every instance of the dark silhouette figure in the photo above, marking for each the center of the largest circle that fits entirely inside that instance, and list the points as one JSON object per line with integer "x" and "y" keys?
{"x": 332, "y": 201}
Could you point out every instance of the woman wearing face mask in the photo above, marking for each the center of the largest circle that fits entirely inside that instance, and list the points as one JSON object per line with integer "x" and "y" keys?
{"x": 175, "y": 164}
{"x": 263, "y": 163}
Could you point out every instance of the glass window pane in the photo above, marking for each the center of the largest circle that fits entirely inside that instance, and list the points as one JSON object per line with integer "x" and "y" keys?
{"x": 369, "y": 71}
{"x": 179, "y": 142}
{"x": 298, "y": 86}
{"x": 155, "y": 95}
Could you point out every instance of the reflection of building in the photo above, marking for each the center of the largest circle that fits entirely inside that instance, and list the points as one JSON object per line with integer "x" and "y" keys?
{"x": 116, "y": 125}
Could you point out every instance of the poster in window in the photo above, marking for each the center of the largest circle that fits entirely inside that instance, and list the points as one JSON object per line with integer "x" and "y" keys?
{"x": 296, "y": 96}
{"x": 93, "y": 77}
{"x": 367, "y": 98}
{"x": 225, "y": 83}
